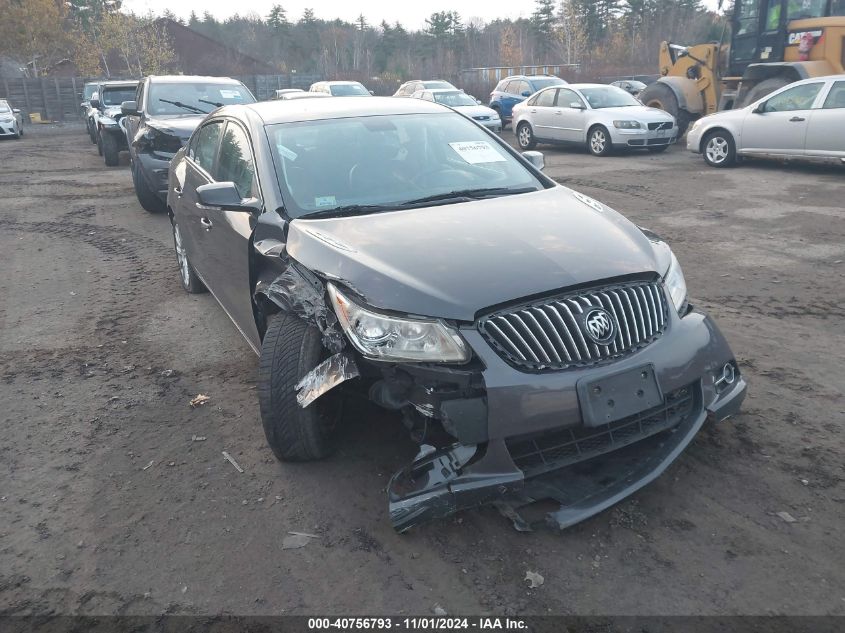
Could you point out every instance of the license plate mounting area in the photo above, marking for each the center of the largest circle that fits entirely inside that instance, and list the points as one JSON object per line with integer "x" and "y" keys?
{"x": 618, "y": 395}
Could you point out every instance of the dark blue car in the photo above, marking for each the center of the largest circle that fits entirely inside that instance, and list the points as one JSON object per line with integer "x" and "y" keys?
{"x": 511, "y": 90}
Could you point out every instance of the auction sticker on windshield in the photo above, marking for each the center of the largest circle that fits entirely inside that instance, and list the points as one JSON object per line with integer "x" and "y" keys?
{"x": 477, "y": 152}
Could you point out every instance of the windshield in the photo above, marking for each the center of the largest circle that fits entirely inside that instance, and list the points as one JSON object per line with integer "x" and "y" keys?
{"x": 116, "y": 96}
{"x": 349, "y": 90}
{"x": 454, "y": 99}
{"x": 608, "y": 97}
{"x": 388, "y": 160}
{"x": 196, "y": 98}
{"x": 539, "y": 84}
{"x": 88, "y": 91}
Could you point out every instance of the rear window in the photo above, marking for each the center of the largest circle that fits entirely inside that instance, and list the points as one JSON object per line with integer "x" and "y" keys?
{"x": 434, "y": 85}
{"x": 539, "y": 84}
{"x": 348, "y": 90}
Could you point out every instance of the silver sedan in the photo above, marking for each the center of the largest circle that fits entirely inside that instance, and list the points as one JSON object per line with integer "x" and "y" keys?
{"x": 805, "y": 119}
{"x": 602, "y": 117}
{"x": 11, "y": 122}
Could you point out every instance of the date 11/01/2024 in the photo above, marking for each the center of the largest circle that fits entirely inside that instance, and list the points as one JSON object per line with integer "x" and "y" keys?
{"x": 429, "y": 623}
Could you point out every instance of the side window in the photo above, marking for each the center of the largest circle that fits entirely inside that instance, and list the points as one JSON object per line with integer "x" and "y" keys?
{"x": 565, "y": 98}
{"x": 523, "y": 87}
{"x": 797, "y": 98}
{"x": 546, "y": 99}
{"x": 235, "y": 163}
{"x": 836, "y": 96}
{"x": 513, "y": 87}
{"x": 205, "y": 146}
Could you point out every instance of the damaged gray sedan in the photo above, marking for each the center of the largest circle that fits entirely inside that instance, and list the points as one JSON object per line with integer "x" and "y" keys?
{"x": 536, "y": 343}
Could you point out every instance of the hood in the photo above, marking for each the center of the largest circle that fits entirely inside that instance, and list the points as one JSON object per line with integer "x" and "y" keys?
{"x": 178, "y": 125}
{"x": 477, "y": 110}
{"x": 454, "y": 260}
{"x": 640, "y": 113}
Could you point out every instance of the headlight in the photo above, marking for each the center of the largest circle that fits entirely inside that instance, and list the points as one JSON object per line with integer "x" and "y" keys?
{"x": 392, "y": 338}
{"x": 676, "y": 284}
{"x": 627, "y": 125}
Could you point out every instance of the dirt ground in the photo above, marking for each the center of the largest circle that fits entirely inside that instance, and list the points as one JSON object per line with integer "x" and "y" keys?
{"x": 110, "y": 504}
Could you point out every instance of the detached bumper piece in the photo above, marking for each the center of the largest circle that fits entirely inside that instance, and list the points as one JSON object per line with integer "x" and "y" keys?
{"x": 435, "y": 486}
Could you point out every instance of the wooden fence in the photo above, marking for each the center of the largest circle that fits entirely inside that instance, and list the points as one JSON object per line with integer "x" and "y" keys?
{"x": 58, "y": 98}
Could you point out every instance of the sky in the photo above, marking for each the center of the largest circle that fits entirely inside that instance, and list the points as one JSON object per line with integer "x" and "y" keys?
{"x": 412, "y": 15}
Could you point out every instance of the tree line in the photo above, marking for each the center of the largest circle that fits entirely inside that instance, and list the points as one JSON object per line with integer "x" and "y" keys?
{"x": 600, "y": 36}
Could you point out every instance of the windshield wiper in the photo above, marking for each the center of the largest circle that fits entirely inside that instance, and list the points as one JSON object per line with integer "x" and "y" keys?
{"x": 350, "y": 209}
{"x": 471, "y": 194}
{"x": 179, "y": 104}
{"x": 214, "y": 103}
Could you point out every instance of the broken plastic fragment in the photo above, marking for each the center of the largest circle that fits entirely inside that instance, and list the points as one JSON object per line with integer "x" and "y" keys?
{"x": 534, "y": 579}
{"x": 199, "y": 400}
{"x": 324, "y": 377}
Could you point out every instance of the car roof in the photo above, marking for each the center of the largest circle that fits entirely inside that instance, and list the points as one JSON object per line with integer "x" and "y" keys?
{"x": 442, "y": 90}
{"x": 579, "y": 86}
{"x": 118, "y": 84}
{"x": 278, "y": 111}
{"x": 337, "y": 83}
{"x": 192, "y": 79}
{"x": 531, "y": 77}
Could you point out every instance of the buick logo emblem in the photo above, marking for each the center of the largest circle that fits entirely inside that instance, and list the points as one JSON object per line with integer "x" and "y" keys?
{"x": 599, "y": 326}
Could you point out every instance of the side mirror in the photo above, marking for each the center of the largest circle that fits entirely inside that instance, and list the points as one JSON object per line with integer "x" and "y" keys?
{"x": 525, "y": 93}
{"x": 759, "y": 108}
{"x": 95, "y": 102}
{"x": 576, "y": 105}
{"x": 535, "y": 158}
{"x": 225, "y": 195}
{"x": 16, "y": 110}
{"x": 129, "y": 108}
{"x": 478, "y": 101}
{"x": 373, "y": 93}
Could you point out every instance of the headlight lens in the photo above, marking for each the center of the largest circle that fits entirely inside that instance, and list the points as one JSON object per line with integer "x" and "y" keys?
{"x": 392, "y": 338}
{"x": 676, "y": 284}
{"x": 627, "y": 125}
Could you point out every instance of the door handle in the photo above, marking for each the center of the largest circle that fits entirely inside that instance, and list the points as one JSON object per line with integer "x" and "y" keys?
{"x": 206, "y": 223}
{"x": 796, "y": 119}
{"x": 558, "y": 111}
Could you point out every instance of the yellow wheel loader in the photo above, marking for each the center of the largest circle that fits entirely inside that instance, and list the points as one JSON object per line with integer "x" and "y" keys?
{"x": 772, "y": 44}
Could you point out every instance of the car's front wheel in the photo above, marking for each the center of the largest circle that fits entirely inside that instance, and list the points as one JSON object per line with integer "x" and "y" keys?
{"x": 598, "y": 141}
{"x": 92, "y": 132}
{"x": 188, "y": 276}
{"x": 147, "y": 197}
{"x": 291, "y": 348}
{"x": 525, "y": 137}
{"x": 111, "y": 150}
{"x": 719, "y": 149}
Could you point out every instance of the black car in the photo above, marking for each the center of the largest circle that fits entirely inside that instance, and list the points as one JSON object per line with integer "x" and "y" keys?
{"x": 165, "y": 110}
{"x": 535, "y": 341}
{"x": 110, "y": 135}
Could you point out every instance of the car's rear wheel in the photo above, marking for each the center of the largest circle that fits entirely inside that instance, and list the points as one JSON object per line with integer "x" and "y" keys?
{"x": 525, "y": 137}
{"x": 147, "y": 197}
{"x": 598, "y": 141}
{"x": 719, "y": 149}
{"x": 111, "y": 150}
{"x": 291, "y": 348}
{"x": 188, "y": 276}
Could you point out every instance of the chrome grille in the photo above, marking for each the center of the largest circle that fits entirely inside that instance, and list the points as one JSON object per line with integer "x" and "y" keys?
{"x": 667, "y": 125}
{"x": 549, "y": 334}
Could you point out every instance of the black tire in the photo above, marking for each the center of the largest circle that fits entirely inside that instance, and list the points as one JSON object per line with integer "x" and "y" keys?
{"x": 92, "y": 132}
{"x": 147, "y": 197}
{"x": 599, "y": 142}
{"x": 290, "y": 349}
{"x": 659, "y": 95}
{"x": 111, "y": 150}
{"x": 99, "y": 143}
{"x": 719, "y": 149}
{"x": 187, "y": 275}
{"x": 762, "y": 89}
{"x": 525, "y": 137}
{"x": 658, "y": 149}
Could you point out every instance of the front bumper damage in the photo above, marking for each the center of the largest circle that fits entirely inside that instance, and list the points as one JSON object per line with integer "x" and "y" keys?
{"x": 473, "y": 422}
